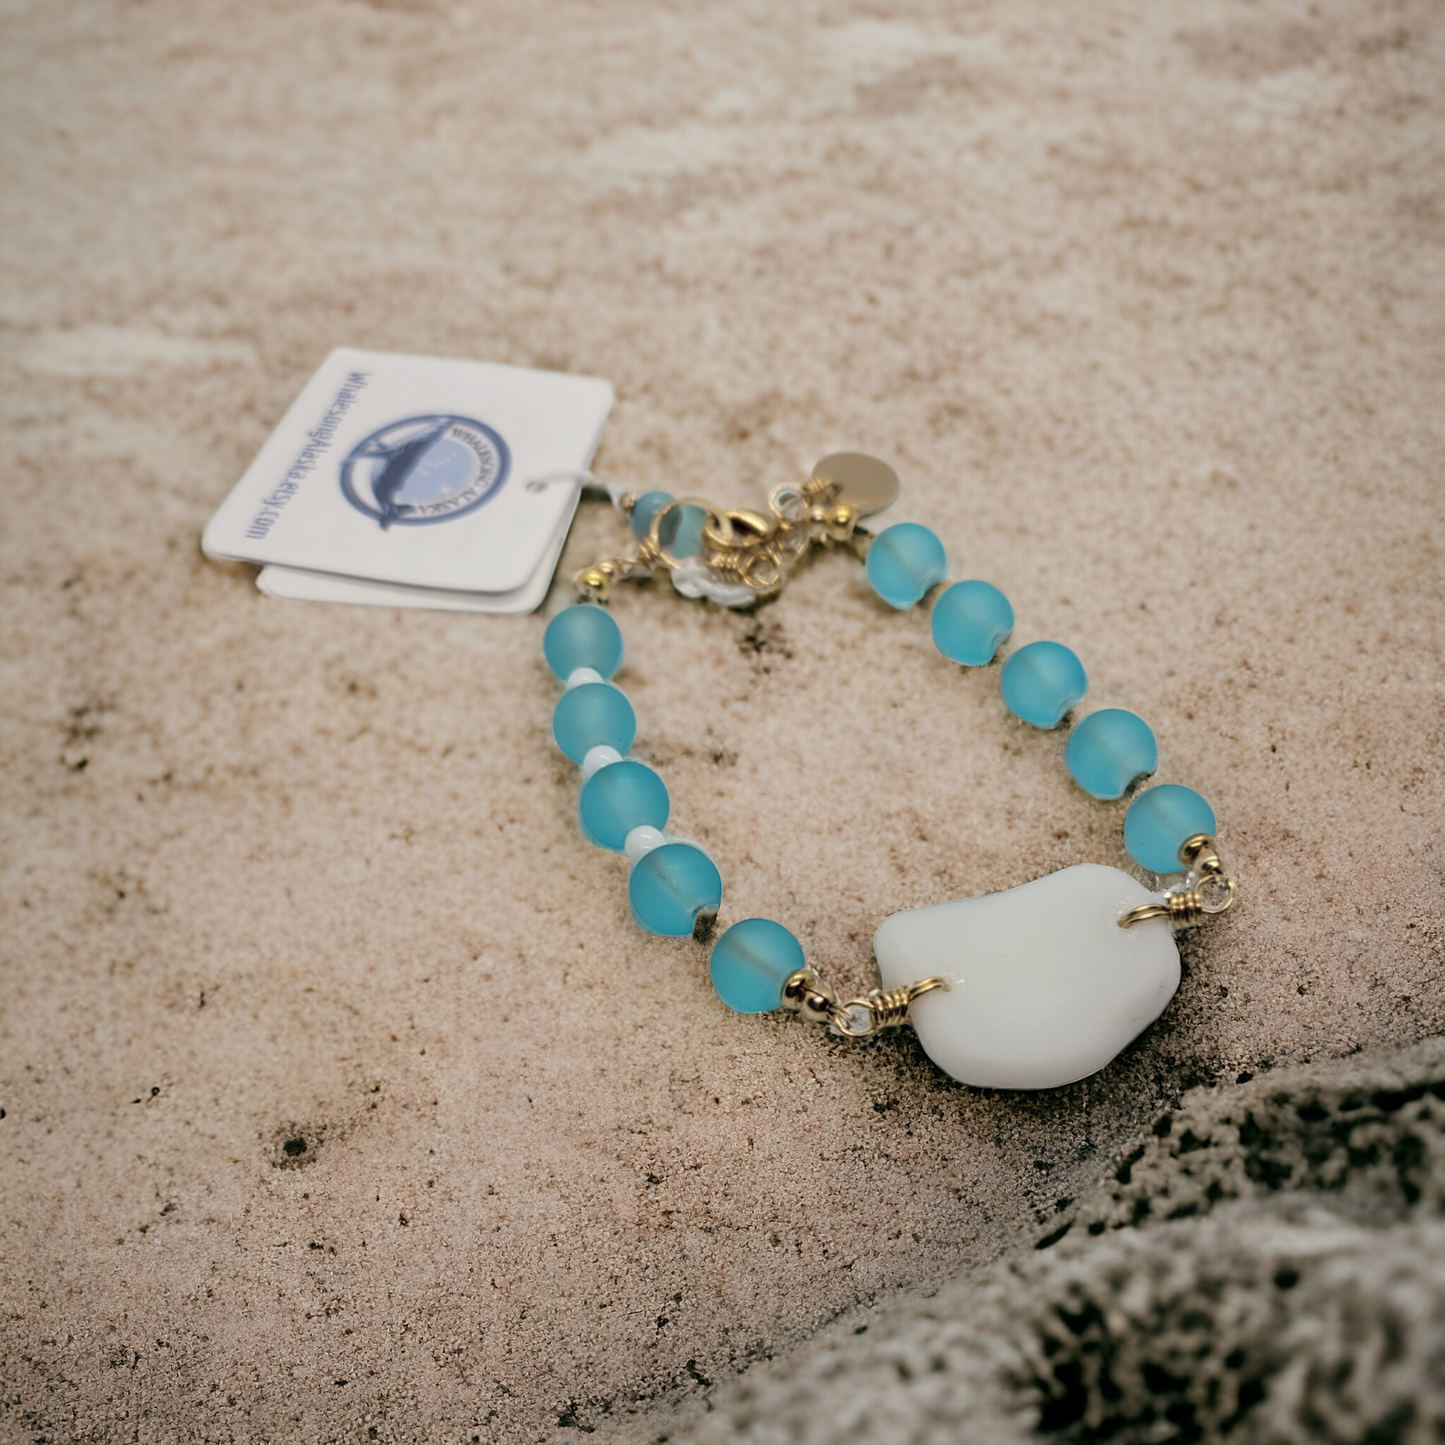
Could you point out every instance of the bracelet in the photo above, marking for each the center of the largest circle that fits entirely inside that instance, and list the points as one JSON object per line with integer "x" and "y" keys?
{"x": 1031, "y": 988}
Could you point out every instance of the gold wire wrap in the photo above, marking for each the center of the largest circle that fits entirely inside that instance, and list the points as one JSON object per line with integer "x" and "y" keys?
{"x": 855, "y": 1018}
{"x": 594, "y": 583}
{"x": 1208, "y": 892}
{"x": 739, "y": 546}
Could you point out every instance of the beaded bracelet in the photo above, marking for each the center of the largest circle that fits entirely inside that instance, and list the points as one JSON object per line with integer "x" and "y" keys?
{"x": 1031, "y": 988}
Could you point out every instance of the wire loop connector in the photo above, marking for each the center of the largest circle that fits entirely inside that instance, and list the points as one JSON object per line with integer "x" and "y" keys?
{"x": 1208, "y": 890}
{"x": 855, "y": 1018}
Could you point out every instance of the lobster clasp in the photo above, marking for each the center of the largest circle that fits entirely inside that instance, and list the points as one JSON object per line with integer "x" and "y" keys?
{"x": 756, "y": 551}
{"x": 736, "y": 557}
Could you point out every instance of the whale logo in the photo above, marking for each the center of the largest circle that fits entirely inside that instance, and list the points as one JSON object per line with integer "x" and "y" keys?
{"x": 425, "y": 469}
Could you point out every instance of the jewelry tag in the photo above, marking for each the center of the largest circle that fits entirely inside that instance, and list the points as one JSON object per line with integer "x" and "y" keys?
{"x": 296, "y": 585}
{"x": 416, "y": 481}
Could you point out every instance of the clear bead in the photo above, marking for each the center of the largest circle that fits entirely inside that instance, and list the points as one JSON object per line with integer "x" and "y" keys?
{"x": 857, "y": 1021}
{"x": 1215, "y": 894}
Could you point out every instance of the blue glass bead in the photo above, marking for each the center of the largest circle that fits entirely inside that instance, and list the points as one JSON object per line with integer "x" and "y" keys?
{"x": 670, "y": 886}
{"x": 620, "y": 797}
{"x": 582, "y": 636}
{"x": 904, "y": 561}
{"x": 969, "y": 622}
{"x": 647, "y": 506}
{"x": 681, "y": 531}
{"x": 752, "y": 962}
{"x": 591, "y": 714}
{"x": 1042, "y": 681}
{"x": 1161, "y": 821}
{"x": 1109, "y": 750}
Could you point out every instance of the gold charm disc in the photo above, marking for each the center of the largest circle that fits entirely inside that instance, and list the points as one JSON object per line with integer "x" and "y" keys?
{"x": 862, "y": 482}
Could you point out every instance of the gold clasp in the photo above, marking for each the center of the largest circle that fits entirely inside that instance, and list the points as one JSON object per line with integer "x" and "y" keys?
{"x": 856, "y": 1018}
{"x": 746, "y": 555}
{"x": 1208, "y": 891}
{"x": 742, "y": 546}
{"x": 738, "y": 547}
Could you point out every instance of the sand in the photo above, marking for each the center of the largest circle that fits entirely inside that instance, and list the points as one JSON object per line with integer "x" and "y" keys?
{"x": 1145, "y": 305}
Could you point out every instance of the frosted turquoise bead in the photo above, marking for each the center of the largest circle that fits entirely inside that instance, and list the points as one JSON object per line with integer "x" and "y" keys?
{"x": 969, "y": 622}
{"x": 681, "y": 531}
{"x": 591, "y": 714}
{"x": 670, "y": 886}
{"x": 904, "y": 561}
{"x": 647, "y": 506}
{"x": 582, "y": 636}
{"x": 1159, "y": 823}
{"x": 1042, "y": 681}
{"x": 751, "y": 963}
{"x": 1109, "y": 750}
{"x": 620, "y": 797}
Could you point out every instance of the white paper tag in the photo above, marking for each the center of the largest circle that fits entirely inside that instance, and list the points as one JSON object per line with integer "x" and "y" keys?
{"x": 295, "y": 585}
{"x": 416, "y": 472}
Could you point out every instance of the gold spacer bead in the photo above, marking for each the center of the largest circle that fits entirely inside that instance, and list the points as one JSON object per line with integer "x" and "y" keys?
{"x": 595, "y": 582}
{"x": 1199, "y": 853}
{"x": 809, "y": 997}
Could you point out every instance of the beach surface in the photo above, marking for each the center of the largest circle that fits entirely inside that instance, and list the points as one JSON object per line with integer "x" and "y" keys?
{"x": 342, "y": 1098}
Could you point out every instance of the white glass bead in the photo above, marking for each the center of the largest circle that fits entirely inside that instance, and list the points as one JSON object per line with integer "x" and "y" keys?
{"x": 692, "y": 577}
{"x": 579, "y": 675}
{"x": 1047, "y": 987}
{"x": 641, "y": 841}
{"x": 598, "y": 758}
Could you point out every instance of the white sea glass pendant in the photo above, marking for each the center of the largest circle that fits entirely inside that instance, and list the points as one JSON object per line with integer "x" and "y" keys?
{"x": 1047, "y": 987}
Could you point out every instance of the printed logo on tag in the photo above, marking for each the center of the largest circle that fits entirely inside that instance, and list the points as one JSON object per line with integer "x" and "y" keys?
{"x": 425, "y": 469}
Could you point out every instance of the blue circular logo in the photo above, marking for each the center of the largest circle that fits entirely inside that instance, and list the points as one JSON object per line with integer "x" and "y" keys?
{"x": 425, "y": 469}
